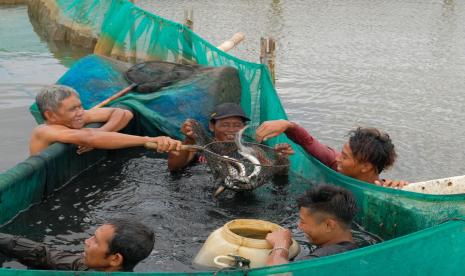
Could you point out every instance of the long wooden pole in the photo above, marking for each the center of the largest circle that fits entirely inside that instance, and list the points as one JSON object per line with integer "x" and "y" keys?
{"x": 267, "y": 55}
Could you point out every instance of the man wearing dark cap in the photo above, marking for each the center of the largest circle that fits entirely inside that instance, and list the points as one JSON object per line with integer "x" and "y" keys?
{"x": 225, "y": 121}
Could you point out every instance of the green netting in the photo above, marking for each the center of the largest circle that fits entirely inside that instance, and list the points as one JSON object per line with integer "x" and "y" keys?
{"x": 422, "y": 245}
{"x": 88, "y": 13}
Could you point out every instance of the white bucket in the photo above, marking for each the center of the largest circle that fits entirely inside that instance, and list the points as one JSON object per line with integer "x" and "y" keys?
{"x": 443, "y": 186}
{"x": 240, "y": 237}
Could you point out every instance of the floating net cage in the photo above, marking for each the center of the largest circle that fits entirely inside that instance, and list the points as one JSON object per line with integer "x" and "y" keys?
{"x": 240, "y": 172}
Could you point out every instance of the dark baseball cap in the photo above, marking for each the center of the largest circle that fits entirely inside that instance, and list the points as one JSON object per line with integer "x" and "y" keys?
{"x": 226, "y": 110}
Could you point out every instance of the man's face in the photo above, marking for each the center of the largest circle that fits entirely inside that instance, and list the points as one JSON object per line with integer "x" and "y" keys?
{"x": 315, "y": 229}
{"x": 225, "y": 129}
{"x": 70, "y": 113}
{"x": 347, "y": 164}
{"x": 96, "y": 249}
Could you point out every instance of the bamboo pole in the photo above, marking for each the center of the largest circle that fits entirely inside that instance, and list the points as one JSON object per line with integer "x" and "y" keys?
{"x": 132, "y": 44}
{"x": 189, "y": 18}
{"x": 267, "y": 55}
{"x": 232, "y": 42}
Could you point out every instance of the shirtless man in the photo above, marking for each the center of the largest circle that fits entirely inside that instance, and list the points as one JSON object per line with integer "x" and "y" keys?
{"x": 368, "y": 152}
{"x": 65, "y": 120}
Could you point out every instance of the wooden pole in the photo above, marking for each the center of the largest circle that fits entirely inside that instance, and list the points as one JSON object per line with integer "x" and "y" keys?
{"x": 132, "y": 44}
{"x": 232, "y": 42}
{"x": 267, "y": 55}
{"x": 189, "y": 18}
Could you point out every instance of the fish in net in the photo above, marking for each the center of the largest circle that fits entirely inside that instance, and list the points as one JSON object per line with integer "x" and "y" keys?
{"x": 237, "y": 165}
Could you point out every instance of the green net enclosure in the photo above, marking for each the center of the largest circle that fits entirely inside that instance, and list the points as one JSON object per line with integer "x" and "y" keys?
{"x": 425, "y": 233}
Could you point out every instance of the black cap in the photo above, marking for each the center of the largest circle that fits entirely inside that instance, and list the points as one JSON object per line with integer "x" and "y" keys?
{"x": 226, "y": 110}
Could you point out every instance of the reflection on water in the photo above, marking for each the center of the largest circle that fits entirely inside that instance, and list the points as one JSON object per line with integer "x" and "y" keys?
{"x": 179, "y": 208}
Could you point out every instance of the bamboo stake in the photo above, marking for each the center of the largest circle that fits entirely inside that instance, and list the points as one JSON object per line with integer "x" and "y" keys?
{"x": 267, "y": 55}
{"x": 189, "y": 18}
{"x": 132, "y": 44}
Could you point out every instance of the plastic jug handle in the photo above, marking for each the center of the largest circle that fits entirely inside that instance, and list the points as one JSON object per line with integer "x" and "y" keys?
{"x": 217, "y": 261}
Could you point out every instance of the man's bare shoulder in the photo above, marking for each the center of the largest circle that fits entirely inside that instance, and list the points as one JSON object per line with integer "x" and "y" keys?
{"x": 44, "y": 129}
{"x": 43, "y": 135}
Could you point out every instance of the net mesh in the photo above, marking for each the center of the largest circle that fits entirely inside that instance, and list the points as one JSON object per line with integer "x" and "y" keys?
{"x": 153, "y": 75}
{"x": 232, "y": 168}
{"x": 238, "y": 171}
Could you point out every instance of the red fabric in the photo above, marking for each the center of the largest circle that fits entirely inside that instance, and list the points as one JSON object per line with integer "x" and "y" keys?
{"x": 202, "y": 159}
{"x": 325, "y": 154}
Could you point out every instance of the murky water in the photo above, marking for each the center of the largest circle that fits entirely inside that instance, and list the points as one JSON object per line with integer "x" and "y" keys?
{"x": 180, "y": 208}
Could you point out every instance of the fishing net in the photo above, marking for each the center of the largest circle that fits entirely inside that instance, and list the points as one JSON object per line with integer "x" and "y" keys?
{"x": 153, "y": 75}
{"x": 232, "y": 169}
{"x": 237, "y": 172}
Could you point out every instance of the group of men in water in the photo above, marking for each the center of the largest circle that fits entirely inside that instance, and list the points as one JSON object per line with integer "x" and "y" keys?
{"x": 326, "y": 212}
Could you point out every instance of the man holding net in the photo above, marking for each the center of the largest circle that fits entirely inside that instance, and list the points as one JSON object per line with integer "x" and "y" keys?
{"x": 368, "y": 152}
{"x": 226, "y": 120}
{"x": 65, "y": 119}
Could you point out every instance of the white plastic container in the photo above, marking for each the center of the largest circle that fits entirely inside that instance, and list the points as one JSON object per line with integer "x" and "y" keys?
{"x": 443, "y": 186}
{"x": 240, "y": 237}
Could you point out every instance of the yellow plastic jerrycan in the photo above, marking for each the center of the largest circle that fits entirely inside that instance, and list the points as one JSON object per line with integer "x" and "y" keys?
{"x": 240, "y": 237}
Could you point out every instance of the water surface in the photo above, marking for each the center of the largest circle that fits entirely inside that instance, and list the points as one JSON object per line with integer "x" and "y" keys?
{"x": 179, "y": 208}
{"x": 393, "y": 64}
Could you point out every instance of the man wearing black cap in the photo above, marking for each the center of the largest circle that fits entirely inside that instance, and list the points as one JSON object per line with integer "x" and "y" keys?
{"x": 225, "y": 121}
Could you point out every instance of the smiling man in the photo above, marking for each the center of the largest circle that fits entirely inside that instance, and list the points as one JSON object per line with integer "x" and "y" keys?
{"x": 225, "y": 121}
{"x": 65, "y": 119}
{"x": 117, "y": 245}
{"x": 364, "y": 156}
{"x": 325, "y": 217}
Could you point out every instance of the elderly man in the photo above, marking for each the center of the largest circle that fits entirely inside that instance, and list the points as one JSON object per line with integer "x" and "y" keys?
{"x": 65, "y": 120}
{"x": 117, "y": 245}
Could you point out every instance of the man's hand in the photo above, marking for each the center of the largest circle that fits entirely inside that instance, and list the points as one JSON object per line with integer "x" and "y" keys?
{"x": 283, "y": 149}
{"x": 187, "y": 129}
{"x": 165, "y": 144}
{"x": 391, "y": 183}
{"x": 280, "y": 238}
{"x": 271, "y": 129}
{"x": 83, "y": 149}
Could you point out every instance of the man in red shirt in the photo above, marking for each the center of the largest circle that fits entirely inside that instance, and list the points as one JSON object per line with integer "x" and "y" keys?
{"x": 368, "y": 152}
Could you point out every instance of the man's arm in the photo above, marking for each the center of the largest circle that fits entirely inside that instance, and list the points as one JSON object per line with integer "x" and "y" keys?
{"x": 37, "y": 255}
{"x": 300, "y": 136}
{"x": 115, "y": 119}
{"x": 180, "y": 159}
{"x": 325, "y": 154}
{"x": 86, "y": 137}
{"x": 281, "y": 241}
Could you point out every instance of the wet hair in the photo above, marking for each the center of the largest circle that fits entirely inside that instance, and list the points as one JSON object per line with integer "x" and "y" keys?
{"x": 330, "y": 200}
{"x": 50, "y": 97}
{"x": 132, "y": 239}
{"x": 373, "y": 146}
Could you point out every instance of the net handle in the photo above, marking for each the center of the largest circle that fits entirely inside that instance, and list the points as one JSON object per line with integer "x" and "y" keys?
{"x": 154, "y": 146}
{"x": 115, "y": 96}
